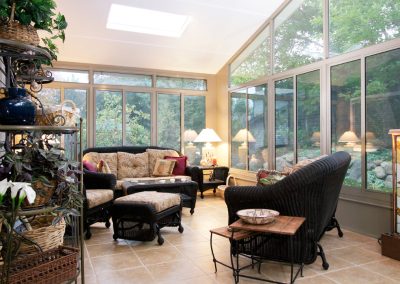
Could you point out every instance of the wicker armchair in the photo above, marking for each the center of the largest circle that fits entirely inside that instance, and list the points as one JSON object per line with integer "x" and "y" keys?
{"x": 311, "y": 192}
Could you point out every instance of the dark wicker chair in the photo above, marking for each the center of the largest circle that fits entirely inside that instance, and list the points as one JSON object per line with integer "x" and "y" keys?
{"x": 217, "y": 178}
{"x": 311, "y": 192}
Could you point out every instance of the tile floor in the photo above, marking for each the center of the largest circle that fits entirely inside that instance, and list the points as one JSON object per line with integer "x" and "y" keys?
{"x": 186, "y": 258}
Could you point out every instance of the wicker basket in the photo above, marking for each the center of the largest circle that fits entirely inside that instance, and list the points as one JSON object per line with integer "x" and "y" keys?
{"x": 44, "y": 234}
{"x": 49, "y": 115}
{"x": 42, "y": 198}
{"x": 13, "y": 30}
{"x": 53, "y": 266}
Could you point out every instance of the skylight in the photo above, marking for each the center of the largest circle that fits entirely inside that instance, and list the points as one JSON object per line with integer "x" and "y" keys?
{"x": 146, "y": 21}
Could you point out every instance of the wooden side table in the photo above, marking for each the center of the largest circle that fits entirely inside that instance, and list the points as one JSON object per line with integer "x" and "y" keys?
{"x": 282, "y": 225}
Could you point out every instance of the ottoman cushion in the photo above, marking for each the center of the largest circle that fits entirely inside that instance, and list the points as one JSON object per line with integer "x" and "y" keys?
{"x": 98, "y": 196}
{"x": 159, "y": 200}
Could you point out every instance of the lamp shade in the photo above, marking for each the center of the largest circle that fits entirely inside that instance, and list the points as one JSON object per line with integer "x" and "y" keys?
{"x": 348, "y": 137}
{"x": 207, "y": 135}
{"x": 244, "y": 136}
{"x": 189, "y": 135}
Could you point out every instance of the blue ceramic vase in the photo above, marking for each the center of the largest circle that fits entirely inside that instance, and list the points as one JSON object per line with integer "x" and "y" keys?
{"x": 16, "y": 108}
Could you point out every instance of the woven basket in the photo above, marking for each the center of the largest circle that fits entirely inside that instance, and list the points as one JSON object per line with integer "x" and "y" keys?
{"x": 13, "y": 30}
{"x": 50, "y": 114}
{"x": 44, "y": 234}
{"x": 42, "y": 199}
{"x": 53, "y": 266}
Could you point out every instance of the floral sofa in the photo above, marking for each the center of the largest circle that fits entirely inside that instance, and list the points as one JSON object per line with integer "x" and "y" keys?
{"x": 121, "y": 164}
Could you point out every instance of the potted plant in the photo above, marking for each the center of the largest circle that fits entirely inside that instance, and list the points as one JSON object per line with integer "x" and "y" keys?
{"x": 19, "y": 20}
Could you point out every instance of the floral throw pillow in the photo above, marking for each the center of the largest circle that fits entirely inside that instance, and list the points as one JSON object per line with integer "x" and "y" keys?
{"x": 268, "y": 177}
{"x": 163, "y": 168}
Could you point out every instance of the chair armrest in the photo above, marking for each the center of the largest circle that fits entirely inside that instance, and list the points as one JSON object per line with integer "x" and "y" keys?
{"x": 196, "y": 174}
{"x": 92, "y": 180}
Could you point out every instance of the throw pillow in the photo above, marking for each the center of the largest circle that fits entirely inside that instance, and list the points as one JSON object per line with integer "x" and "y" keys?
{"x": 91, "y": 167}
{"x": 102, "y": 167}
{"x": 163, "y": 167}
{"x": 112, "y": 161}
{"x": 180, "y": 165}
{"x": 268, "y": 177}
{"x": 133, "y": 165}
{"x": 155, "y": 154}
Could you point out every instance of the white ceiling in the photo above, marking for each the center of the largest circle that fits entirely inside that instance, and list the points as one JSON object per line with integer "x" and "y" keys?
{"x": 218, "y": 28}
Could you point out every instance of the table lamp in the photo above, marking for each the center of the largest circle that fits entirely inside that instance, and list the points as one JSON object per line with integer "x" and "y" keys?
{"x": 189, "y": 149}
{"x": 207, "y": 135}
{"x": 245, "y": 137}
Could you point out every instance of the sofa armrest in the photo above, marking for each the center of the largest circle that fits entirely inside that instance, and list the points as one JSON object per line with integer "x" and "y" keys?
{"x": 196, "y": 174}
{"x": 92, "y": 180}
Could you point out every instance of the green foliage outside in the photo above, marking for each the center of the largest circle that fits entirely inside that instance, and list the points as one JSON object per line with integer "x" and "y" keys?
{"x": 169, "y": 121}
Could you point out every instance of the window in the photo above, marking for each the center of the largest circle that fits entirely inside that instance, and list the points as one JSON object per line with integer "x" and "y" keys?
{"x": 308, "y": 115}
{"x": 169, "y": 121}
{"x": 138, "y": 119}
{"x": 249, "y": 149}
{"x": 346, "y": 115}
{"x": 356, "y": 24}
{"x": 194, "y": 122}
{"x": 49, "y": 96}
{"x": 253, "y": 62}
{"x": 284, "y": 118}
{"x": 181, "y": 83}
{"x": 71, "y": 76}
{"x": 79, "y": 97}
{"x": 382, "y": 114}
{"x": 135, "y": 80}
{"x": 108, "y": 118}
{"x": 298, "y": 34}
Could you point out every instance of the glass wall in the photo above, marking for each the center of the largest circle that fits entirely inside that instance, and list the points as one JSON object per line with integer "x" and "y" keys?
{"x": 79, "y": 97}
{"x": 253, "y": 62}
{"x": 284, "y": 119}
{"x": 239, "y": 122}
{"x": 181, "y": 83}
{"x": 298, "y": 34}
{"x": 136, "y": 80}
{"x": 169, "y": 121}
{"x": 382, "y": 108}
{"x": 346, "y": 116}
{"x": 308, "y": 115}
{"x": 194, "y": 122}
{"x": 108, "y": 118}
{"x": 138, "y": 119}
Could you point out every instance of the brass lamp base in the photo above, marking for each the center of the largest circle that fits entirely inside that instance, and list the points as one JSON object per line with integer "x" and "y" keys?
{"x": 391, "y": 245}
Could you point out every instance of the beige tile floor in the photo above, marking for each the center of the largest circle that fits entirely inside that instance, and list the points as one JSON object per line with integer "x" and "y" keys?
{"x": 186, "y": 258}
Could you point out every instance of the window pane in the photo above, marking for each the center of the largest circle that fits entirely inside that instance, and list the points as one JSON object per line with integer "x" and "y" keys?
{"x": 79, "y": 97}
{"x": 138, "y": 118}
{"x": 382, "y": 114}
{"x": 308, "y": 116}
{"x": 258, "y": 147}
{"x": 195, "y": 120}
{"x": 135, "y": 80}
{"x": 284, "y": 149}
{"x": 298, "y": 34}
{"x": 346, "y": 115}
{"x": 169, "y": 121}
{"x": 238, "y": 122}
{"x": 108, "y": 118}
{"x": 356, "y": 24}
{"x": 181, "y": 83}
{"x": 72, "y": 76}
{"x": 253, "y": 62}
{"x": 49, "y": 96}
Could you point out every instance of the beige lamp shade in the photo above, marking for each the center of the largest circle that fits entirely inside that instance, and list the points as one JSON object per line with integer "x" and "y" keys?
{"x": 189, "y": 135}
{"x": 316, "y": 136}
{"x": 348, "y": 137}
{"x": 207, "y": 135}
{"x": 244, "y": 136}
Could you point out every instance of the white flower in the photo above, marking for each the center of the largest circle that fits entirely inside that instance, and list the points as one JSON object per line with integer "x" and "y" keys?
{"x": 26, "y": 191}
{"x": 4, "y": 184}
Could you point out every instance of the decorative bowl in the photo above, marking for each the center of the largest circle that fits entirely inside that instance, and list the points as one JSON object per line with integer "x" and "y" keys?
{"x": 257, "y": 216}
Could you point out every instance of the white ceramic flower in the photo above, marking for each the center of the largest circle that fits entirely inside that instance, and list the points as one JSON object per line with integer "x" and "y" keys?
{"x": 26, "y": 191}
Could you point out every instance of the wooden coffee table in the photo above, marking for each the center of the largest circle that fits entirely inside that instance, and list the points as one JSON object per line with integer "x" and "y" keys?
{"x": 282, "y": 225}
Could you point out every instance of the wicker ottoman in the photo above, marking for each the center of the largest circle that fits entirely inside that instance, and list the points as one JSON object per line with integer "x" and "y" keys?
{"x": 140, "y": 216}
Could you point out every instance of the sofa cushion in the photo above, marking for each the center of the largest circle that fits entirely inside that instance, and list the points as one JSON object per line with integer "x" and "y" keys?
{"x": 155, "y": 154}
{"x": 97, "y": 197}
{"x": 159, "y": 200}
{"x": 133, "y": 165}
{"x": 180, "y": 165}
{"x": 163, "y": 168}
{"x": 110, "y": 158}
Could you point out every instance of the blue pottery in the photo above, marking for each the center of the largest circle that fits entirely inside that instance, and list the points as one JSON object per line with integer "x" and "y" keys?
{"x": 16, "y": 108}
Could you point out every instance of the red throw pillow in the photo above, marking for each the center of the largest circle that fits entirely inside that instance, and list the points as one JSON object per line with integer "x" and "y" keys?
{"x": 91, "y": 167}
{"x": 180, "y": 165}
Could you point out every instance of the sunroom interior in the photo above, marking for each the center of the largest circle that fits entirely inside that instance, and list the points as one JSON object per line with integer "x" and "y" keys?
{"x": 308, "y": 78}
